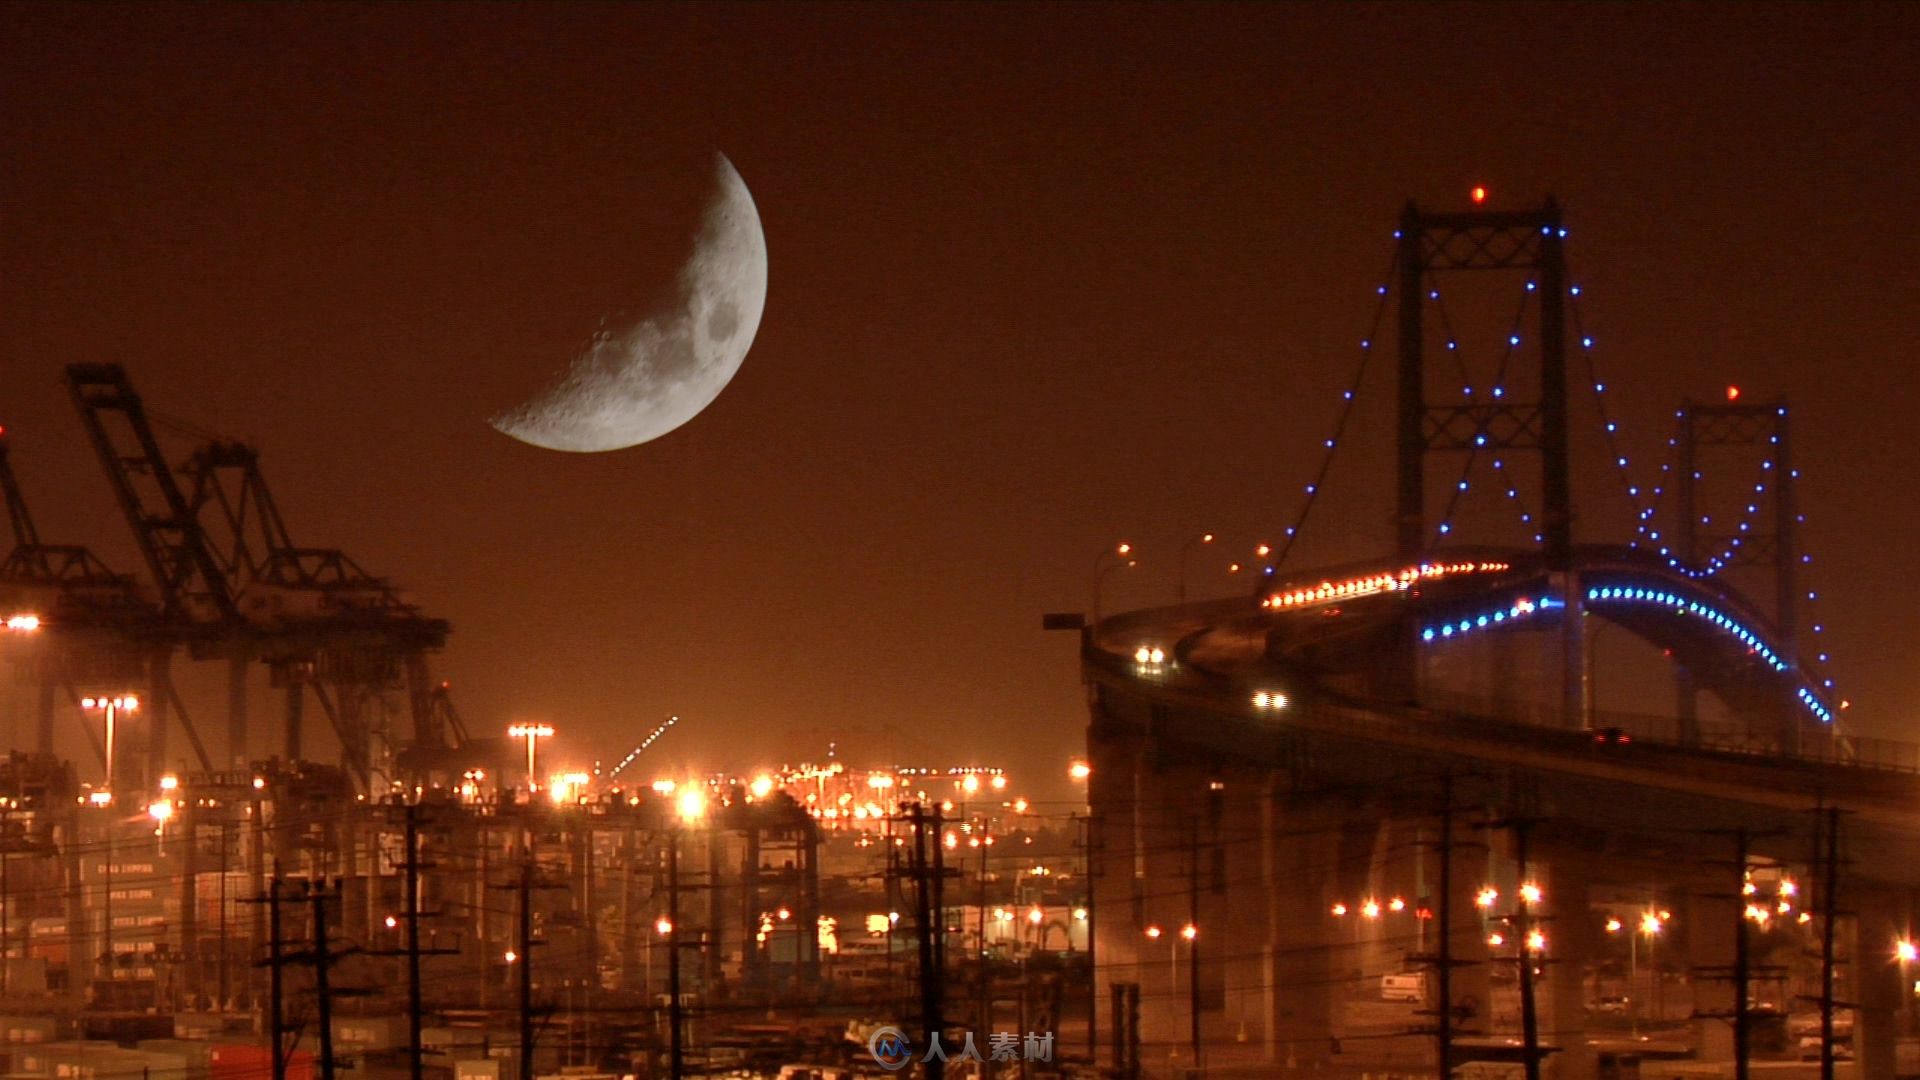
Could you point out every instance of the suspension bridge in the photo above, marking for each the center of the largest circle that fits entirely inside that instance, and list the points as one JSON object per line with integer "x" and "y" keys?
{"x": 1395, "y": 768}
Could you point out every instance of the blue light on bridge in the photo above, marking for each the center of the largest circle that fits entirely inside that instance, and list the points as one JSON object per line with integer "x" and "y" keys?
{"x": 1813, "y": 705}
{"x": 1519, "y": 609}
{"x": 1735, "y": 628}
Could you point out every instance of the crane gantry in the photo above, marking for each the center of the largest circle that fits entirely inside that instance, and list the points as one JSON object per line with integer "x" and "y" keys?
{"x": 232, "y": 584}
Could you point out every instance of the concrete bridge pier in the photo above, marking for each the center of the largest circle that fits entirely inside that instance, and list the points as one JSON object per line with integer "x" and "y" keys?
{"x": 1387, "y": 940}
{"x": 1235, "y": 969}
{"x": 1471, "y": 982}
{"x": 1570, "y": 949}
{"x": 1711, "y": 920}
{"x": 1317, "y": 857}
{"x": 1883, "y": 984}
{"x": 1114, "y": 790}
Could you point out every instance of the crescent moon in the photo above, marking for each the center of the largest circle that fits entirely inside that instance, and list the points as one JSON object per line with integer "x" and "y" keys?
{"x": 631, "y": 386}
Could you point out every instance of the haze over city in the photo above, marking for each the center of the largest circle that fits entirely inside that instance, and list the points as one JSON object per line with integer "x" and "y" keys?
{"x": 1189, "y": 539}
{"x": 1040, "y": 280}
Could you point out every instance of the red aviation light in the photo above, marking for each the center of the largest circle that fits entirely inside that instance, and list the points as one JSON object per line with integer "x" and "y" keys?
{"x": 1733, "y": 393}
{"x": 1479, "y": 194}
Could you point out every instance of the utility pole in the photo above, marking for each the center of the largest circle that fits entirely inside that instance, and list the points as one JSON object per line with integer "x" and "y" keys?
{"x": 524, "y": 956}
{"x": 1443, "y": 945}
{"x": 924, "y": 907}
{"x": 1521, "y": 923}
{"x": 521, "y": 956}
{"x": 984, "y": 1022}
{"x": 1741, "y": 961}
{"x": 321, "y": 956}
{"x": 1093, "y": 965}
{"x": 413, "y": 952}
{"x": 1523, "y": 929}
{"x": 937, "y": 844}
{"x": 322, "y": 961}
{"x": 276, "y": 992}
{"x": 413, "y": 940}
{"x": 276, "y": 959}
{"x": 1192, "y": 933}
{"x": 1740, "y": 973}
{"x": 226, "y": 985}
{"x": 1826, "y": 845}
{"x": 676, "y": 1019}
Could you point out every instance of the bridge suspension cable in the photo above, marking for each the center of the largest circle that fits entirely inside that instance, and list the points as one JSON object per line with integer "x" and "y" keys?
{"x": 1349, "y": 398}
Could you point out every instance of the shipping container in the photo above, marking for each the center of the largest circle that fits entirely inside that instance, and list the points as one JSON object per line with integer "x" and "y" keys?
{"x": 197, "y": 1055}
{"x": 458, "y": 1041}
{"x": 124, "y": 1028}
{"x": 35, "y": 1029}
{"x": 47, "y": 939}
{"x": 253, "y": 1061}
{"x": 37, "y": 1059}
{"x": 487, "y": 1068}
{"x": 198, "y": 1025}
{"x": 359, "y": 1034}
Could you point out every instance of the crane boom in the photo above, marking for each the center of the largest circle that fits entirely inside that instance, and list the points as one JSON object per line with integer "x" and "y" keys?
{"x": 170, "y": 539}
{"x": 642, "y": 748}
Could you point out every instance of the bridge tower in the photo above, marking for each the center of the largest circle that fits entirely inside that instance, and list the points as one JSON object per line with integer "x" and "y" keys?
{"x": 1761, "y": 426}
{"x": 1523, "y": 240}
{"x": 1708, "y": 549}
{"x": 1531, "y": 242}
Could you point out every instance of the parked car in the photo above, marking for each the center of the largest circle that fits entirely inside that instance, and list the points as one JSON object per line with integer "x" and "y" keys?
{"x": 1612, "y": 1005}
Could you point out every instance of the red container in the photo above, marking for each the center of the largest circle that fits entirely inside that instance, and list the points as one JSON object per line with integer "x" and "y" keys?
{"x": 252, "y": 1061}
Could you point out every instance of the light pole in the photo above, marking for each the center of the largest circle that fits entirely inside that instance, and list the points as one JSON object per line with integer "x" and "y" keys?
{"x": 1109, "y": 560}
{"x": 1191, "y": 933}
{"x": 532, "y": 733}
{"x": 1650, "y": 925}
{"x": 1203, "y": 538}
{"x": 24, "y": 624}
{"x": 112, "y": 708}
{"x": 689, "y": 808}
{"x": 1154, "y": 933}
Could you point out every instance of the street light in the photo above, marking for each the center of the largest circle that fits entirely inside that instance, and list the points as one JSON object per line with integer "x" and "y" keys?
{"x": 1203, "y": 538}
{"x": 21, "y": 623}
{"x": 1189, "y": 933}
{"x": 112, "y": 708}
{"x": 689, "y": 808}
{"x": 1651, "y": 923}
{"x": 1119, "y": 554}
{"x": 531, "y": 733}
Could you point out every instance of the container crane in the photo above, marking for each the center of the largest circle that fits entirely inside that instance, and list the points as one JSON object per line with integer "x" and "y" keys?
{"x": 231, "y": 577}
{"x": 98, "y": 630}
